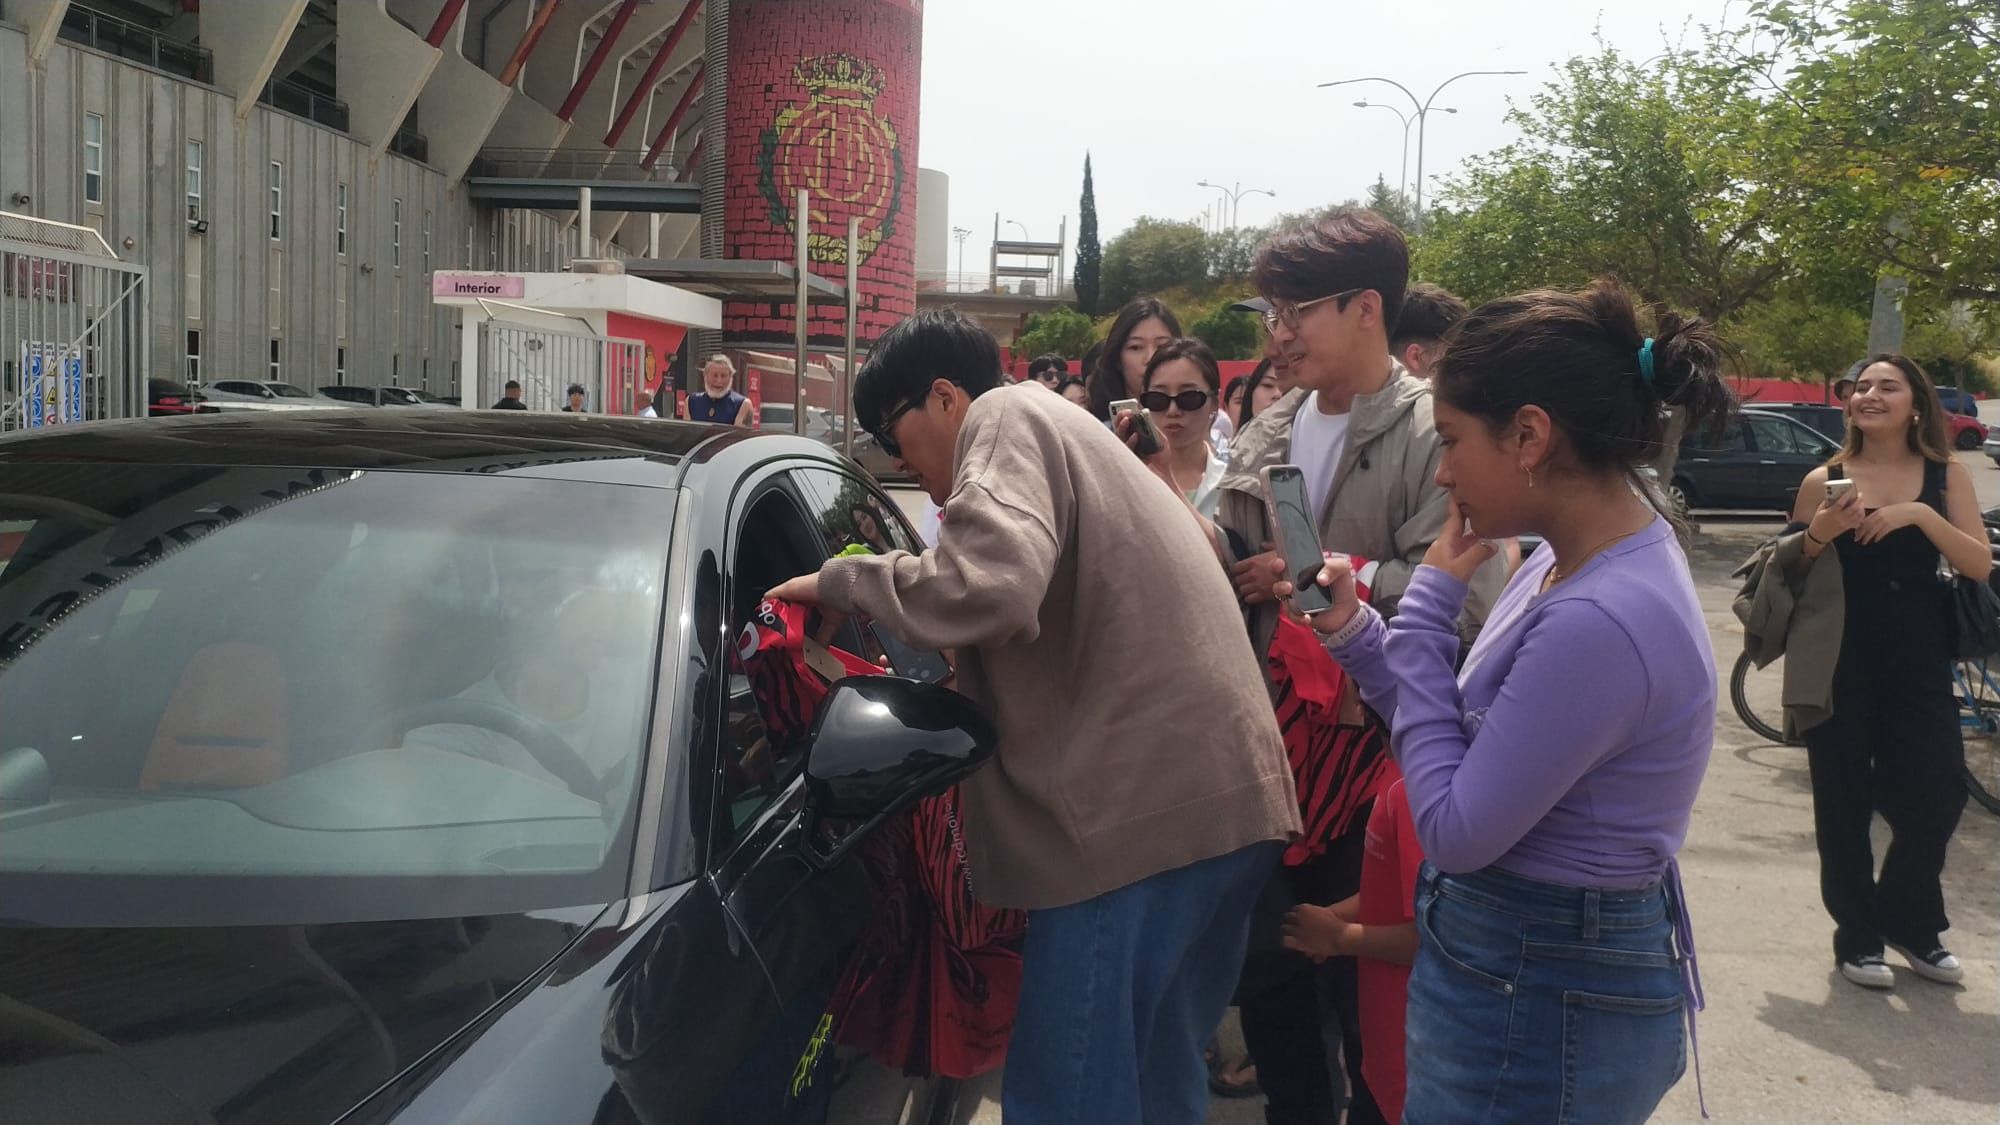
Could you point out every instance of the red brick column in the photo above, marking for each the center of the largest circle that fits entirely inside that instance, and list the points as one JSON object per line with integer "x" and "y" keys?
{"x": 823, "y": 95}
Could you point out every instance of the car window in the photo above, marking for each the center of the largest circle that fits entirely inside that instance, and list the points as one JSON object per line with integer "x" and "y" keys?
{"x": 853, "y": 517}
{"x": 766, "y": 714}
{"x": 1776, "y": 435}
{"x": 435, "y": 681}
{"x": 1732, "y": 439}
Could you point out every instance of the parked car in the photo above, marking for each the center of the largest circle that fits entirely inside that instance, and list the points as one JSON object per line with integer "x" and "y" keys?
{"x": 378, "y": 396}
{"x": 1830, "y": 420}
{"x": 1758, "y": 462}
{"x": 411, "y": 779}
{"x": 168, "y": 399}
{"x": 1959, "y": 401}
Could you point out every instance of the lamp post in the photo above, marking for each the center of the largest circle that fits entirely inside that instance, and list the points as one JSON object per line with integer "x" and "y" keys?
{"x": 1402, "y": 175}
{"x": 1025, "y": 236}
{"x": 1423, "y": 108}
{"x": 1235, "y": 196}
{"x": 961, "y": 234}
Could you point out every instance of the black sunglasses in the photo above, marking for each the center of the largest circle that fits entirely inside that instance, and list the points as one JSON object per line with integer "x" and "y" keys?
{"x": 1188, "y": 401}
{"x": 883, "y": 433}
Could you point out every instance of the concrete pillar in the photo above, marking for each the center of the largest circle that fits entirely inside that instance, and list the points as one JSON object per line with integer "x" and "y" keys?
{"x": 41, "y": 18}
{"x": 459, "y": 107}
{"x": 246, "y": 38}
{"x": 381, "y": 66}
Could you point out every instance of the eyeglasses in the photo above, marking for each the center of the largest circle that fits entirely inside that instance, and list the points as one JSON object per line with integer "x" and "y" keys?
{"x": 1288, "y": 313}
{"x": 1188, "y": 401}
{"x": 885, "y": 433}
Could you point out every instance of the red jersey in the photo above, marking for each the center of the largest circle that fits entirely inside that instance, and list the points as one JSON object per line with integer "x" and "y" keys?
{"x": 1388, "y": 898}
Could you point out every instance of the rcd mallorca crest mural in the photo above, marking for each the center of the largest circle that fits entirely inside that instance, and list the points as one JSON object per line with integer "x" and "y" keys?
{"x": 823, "y": 96}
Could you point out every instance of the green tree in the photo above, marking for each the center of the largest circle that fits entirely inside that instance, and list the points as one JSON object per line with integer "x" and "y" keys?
{"x": 1884, "y": 117}
{"x": 1391, "y": 204}
{"x": 1230, "y": 335}
{"x": 1622, "y": 168}
{"x": 1065, "y": 332}
{"x": 1795, "y": 336}
{"x": 1153, "y": 255}
{"x": 1089, "y": 256}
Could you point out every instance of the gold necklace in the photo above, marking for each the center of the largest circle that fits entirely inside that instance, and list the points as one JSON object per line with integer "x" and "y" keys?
{"x": 1557, "y": 574}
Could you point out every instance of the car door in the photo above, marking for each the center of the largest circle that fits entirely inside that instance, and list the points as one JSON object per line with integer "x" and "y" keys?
{"x": 806, "y": 922}
{"x": 1786, "y": 451}
{"x": 1721, "y": 472}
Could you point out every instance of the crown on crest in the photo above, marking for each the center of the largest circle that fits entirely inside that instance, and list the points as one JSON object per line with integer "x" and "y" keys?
{"x": 839, "y": 73}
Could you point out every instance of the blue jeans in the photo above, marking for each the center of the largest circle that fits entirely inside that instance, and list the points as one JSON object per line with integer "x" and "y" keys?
{"x": 1533, "y": 1001}
{"x": 1120, "y": 992}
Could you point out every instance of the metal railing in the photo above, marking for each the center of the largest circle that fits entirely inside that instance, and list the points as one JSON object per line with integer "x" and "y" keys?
{"x": 126, "y": 40}
{"x": 571, "y": 164}
{"x": 408, "y": 142}
{"x": 300, "y": 101}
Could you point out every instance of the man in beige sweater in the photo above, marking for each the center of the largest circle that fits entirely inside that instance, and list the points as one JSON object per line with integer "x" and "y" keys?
{"x": 1140, "y": 789}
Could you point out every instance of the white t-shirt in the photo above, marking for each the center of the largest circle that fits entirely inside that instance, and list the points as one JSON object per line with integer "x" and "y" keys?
{"x": 1317, "y": 443}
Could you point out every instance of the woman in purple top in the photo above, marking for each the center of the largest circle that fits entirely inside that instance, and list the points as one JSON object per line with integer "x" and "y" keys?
{"x": 1550, "y": 781}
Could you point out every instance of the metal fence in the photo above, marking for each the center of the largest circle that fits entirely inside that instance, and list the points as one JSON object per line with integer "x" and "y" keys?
{"x": 611, "y": 371}
{"x": 72, "y": 327}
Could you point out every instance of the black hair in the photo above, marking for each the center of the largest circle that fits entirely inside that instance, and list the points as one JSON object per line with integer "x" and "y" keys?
{"x": 1258, "y": 376}
{"x": 1351, "y": 248}
{"x": 1071, "y": 381}
{"x": 1229, "y": 389}
{"x": 1578, "y": 356}
{"x": 1429, "y": 311}
{"x": 512, "y": 385}
{"x": 934, "y": 344}
{"x": 1192, "y": 350}
{"x": 1046, "y": 363}
{"x": 1107, "y": 376}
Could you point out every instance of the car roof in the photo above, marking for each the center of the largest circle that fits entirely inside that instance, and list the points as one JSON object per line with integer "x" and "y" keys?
{"x": 488, "y": 441}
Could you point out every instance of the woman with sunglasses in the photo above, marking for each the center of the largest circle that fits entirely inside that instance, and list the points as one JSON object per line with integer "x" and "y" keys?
{"x": 1182, "y": 383}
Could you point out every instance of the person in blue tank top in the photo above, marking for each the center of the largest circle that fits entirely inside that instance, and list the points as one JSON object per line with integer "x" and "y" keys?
{"x": 720, "y": 402}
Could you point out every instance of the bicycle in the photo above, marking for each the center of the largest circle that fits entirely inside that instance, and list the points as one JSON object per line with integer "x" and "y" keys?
{"x": 1756, "y": 694}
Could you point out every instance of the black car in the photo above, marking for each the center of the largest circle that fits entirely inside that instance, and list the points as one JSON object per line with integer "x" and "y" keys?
{"x": 168, "y": 399}
{"x": 377, "y": 396}
{"x": 1829, "y": 421}
{"x": 1759, "y": 462}
{"x": 392, "y": 767}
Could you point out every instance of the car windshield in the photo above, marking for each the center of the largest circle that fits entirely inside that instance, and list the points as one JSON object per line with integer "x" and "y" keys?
{"x": 286, "y": 390}
{"x": 319, "y": 695}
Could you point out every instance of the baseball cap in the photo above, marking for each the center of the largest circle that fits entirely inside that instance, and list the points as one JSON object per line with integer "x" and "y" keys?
{"x": 1252, "y": 305}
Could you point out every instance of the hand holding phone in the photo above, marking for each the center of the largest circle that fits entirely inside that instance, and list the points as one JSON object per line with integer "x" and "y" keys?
{"x": 1149, "y": 439}
{"x": 1297, "y": 535}
{"x": 1835, "y": 489}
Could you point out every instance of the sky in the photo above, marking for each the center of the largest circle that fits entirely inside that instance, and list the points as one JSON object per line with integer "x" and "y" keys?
{"x": 1166, "y": 93}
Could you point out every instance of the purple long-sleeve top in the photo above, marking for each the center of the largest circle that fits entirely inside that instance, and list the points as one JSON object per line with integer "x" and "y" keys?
{"x": 1571, "y": 746}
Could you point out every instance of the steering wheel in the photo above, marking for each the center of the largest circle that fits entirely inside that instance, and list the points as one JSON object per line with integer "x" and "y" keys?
{"x": 549, "y": 750}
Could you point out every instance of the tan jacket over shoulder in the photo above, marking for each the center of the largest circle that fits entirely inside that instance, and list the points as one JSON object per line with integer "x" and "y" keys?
{"x": 1091, "y": 620}
{"x": 1801, "y": 617}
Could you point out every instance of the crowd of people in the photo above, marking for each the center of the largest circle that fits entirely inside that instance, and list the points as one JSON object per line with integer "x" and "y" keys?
{"x": 1425, "y": 838}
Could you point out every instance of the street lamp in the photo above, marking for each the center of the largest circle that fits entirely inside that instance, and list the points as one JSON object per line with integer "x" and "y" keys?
{"x": 1235, "y": 196}
{"x": 1025, "y": 236}
{"x": 1423, "y": 108}
{"x": 1403, "y": 176}
{"x": 961, "y": 234}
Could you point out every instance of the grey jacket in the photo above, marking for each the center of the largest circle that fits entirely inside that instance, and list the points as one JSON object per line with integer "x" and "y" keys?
{"x": 1385, "y": 505}
{"x": 1800, "y": 616}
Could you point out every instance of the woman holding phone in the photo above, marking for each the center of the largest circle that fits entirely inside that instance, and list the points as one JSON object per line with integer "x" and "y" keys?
{"x": 1884, "y": 510}
{"x": 1181, "y": 383}
{"x": 1551, "y": 781}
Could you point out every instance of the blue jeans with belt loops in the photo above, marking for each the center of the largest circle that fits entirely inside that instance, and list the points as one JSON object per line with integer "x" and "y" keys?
{"x": 1537, "y": 1002}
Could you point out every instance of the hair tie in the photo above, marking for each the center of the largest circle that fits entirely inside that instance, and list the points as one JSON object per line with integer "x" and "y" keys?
{"x": 1646, "y": 361}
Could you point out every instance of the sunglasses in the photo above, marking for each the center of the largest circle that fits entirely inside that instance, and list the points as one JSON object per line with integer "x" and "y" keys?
{"x": 1188, "y": 401}
{"x": 885, "y": 433}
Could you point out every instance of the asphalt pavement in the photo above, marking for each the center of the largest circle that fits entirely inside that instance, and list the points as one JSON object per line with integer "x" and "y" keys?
{"x": 1784, "y": 1038}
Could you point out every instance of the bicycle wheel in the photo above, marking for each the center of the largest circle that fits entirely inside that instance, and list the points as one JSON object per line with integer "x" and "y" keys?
{"x": 1756, "y": 694}
{"x": 1979, "y": 707}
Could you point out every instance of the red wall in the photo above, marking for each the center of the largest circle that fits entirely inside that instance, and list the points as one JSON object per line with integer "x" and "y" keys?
{"x": 823, "y": 95}
{"x": 662, "y": 341}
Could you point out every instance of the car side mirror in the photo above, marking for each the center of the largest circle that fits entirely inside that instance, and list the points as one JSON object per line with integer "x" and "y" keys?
{"x": 879, "y": 745}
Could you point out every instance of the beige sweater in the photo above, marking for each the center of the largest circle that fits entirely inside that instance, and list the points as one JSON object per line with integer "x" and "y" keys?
{"x": 1094, "y": 623}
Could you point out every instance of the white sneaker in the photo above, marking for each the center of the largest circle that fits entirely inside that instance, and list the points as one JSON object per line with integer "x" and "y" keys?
{"x": 1938, "y": 965}
{"x": 1869, "y": 972}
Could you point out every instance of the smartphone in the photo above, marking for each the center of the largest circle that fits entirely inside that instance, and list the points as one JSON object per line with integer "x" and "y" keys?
{"x": 1150, "y": 439}
{"x": 1296, "y": 533}
{"x": 926, "y": 665}
{"x": 1835, "y": 489}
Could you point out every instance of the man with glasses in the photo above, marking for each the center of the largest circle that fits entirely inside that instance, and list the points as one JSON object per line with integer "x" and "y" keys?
{"x": 1140, "y": 790}
{"x": 1360, "y": 426}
